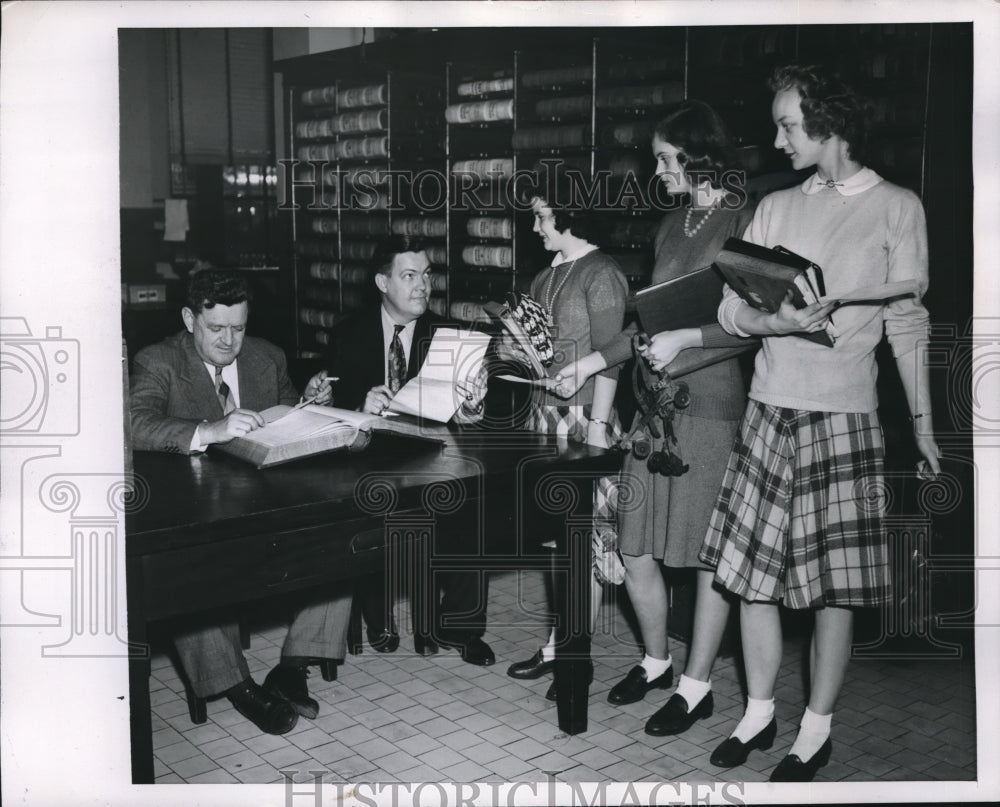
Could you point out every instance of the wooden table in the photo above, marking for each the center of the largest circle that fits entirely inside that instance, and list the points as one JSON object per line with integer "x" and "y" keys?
{"x": 209, "y": 532}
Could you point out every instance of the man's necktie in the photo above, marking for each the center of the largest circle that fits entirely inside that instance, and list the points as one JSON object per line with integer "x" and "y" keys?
{"x": 225, "y": 394}
{"x": 397, "y": 362}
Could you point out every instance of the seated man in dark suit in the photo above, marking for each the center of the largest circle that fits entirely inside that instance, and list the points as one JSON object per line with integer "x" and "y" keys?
{"x": 205, "y": 385}
{"x": 373, "y": 353}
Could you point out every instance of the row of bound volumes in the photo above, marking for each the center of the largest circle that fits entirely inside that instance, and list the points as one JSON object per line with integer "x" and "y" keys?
{"x": 366, "y": 121}
{"x": 372, "y": 95}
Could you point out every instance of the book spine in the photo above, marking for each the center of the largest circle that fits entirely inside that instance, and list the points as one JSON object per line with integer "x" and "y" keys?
{"x": 480, "y": 111}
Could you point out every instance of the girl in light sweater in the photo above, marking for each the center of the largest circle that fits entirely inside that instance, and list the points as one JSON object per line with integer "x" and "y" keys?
{"x": 798, "y": 520}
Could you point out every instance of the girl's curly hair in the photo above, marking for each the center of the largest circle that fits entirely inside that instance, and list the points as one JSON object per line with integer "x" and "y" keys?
{"x": 829, "y": 106}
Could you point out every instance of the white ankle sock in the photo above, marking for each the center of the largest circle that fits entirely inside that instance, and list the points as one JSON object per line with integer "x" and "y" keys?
{"x": 549, "y": 651}
{"x": 692, "y": 690}
{"x": 655, "y": 667}
{"x": 813, "y": 731}
{"x": 755, "y": 719}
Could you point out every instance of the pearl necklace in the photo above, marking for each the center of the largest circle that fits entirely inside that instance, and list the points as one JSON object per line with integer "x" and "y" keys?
{"x": 687, "y": 221}
{"x": 550, "y": 298}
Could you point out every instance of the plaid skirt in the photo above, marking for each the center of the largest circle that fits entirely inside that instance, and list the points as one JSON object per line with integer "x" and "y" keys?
{"x": 571, "y": 422}
{"x": 799, "y": 518}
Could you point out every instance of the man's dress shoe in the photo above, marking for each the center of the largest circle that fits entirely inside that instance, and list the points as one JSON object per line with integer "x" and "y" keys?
{"x": 473, "y": 649}
{"x": 272, "y": 714}
{"x": 534, "y": 667}
{"x": 385, "y": 641}
{"x": 288, "y": 681}
{"x": 793, "y": 769}
{"x": 733, "y": 752}
{"x": 675, "y": 718}
{"x": 634, "y": 686}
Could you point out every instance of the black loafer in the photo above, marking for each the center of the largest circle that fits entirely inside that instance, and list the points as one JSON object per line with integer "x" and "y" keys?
{"x": 733, "y": 752}
{"x": 288, "y": 681}
{"x": 270, "y": 713}
{"x": 793, "y": 769}
{"x": 674, "y": 718}
{"x": 550, "y": 693}
{"x": 534, "y": 667}
{"x": 424, "y": 645}
{"x": 634, "y": 686}
{"x": 473, "y": 649}
{"x": 386, "y": 641}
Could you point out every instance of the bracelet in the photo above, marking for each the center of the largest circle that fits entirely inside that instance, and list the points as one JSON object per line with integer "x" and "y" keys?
{"x": 597, "y": 420}
{"x": 921, "y": 415}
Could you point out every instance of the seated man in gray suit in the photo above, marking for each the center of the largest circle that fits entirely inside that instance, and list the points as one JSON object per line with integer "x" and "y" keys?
{"x": 205, "y": 385}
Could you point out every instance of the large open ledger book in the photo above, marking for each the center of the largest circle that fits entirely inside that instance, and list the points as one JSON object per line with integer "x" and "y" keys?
{"x": 446, "y": 378}
{"x": 291, "y": 433}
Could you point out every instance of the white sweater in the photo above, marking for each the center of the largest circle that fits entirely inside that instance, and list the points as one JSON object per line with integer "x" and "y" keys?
{"x": 877, "y": 235}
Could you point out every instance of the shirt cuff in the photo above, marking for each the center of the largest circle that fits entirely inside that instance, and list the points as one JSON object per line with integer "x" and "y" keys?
{"x": 197, "y": 446}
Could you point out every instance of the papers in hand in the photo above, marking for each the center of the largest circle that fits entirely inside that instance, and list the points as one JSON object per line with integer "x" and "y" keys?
{"x": 878, "y": 293}
{"x": 454, "y": 363}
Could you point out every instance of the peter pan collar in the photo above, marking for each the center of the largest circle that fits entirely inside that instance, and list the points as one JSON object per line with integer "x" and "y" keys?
{"x": 853, "y": 185}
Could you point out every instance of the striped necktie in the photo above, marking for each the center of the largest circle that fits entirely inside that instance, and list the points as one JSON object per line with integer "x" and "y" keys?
{"x": 397, "y": 362}
{"x": 224, "y": 393}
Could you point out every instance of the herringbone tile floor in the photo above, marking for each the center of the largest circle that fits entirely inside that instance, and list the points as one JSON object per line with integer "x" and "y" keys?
{"x": 405, "y": 718}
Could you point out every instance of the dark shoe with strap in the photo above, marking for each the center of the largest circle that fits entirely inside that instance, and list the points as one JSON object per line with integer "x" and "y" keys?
{"x": 675, "y": 718}
{"x": 424, "y": 645}
{"x": 793, "y": 769}
{"x": 733, "y": 752}
{"x": 272, "y": 714}
{"x": 634, "y": 686}
{"x": 288, "y": 681}
{"x": 473, "y": 649}
{"x": 551, "y": 693}
{"x": 534, "y": 667}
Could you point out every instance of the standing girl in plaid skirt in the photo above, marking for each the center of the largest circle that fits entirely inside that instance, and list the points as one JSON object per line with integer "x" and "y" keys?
{"x": 798, "y": 520}
{"x": 584, "y": 291}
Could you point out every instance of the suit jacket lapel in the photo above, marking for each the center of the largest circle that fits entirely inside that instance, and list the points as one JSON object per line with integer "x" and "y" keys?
{"x": 198, "y": 383}
{"x": 252, "y": 369}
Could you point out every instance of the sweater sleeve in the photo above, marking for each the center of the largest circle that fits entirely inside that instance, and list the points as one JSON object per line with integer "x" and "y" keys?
{"x": 606, "y": 293}
{"x": 906, "y": 319}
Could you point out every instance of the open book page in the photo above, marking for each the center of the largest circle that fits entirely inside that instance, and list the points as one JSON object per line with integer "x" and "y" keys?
{"x": 287, "y": 425}
{"x": 454, "y": 360}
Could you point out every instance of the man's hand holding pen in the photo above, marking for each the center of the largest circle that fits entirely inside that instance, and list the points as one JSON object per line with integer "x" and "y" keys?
{"x": 319, "y": 390}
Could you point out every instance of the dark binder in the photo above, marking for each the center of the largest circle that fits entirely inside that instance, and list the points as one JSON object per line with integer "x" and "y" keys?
{"x": 763, "y": 276}
{"x": 688, "y": 301}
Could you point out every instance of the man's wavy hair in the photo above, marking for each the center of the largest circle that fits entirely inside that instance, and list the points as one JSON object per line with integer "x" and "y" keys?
{"x": 698, "y": 133}
{"x": 388, "y": 248}
{"x": 829, "y": 106}
{"x": 208, "y": 288}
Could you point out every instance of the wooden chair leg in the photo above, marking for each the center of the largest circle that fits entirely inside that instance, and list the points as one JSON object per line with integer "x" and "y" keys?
{"x": 328, "y": 669}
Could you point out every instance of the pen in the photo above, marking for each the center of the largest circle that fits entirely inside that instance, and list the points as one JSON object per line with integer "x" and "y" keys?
{"x": 325, "y": 380}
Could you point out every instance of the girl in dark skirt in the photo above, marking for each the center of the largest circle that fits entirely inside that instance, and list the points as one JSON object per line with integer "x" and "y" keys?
{"x": 798, "y": 520}
{"x": 665, "y": 524}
